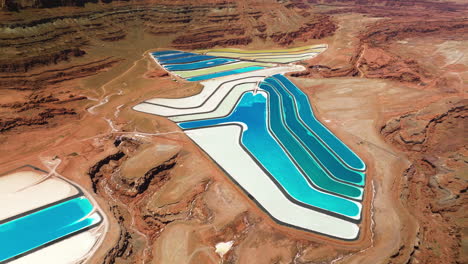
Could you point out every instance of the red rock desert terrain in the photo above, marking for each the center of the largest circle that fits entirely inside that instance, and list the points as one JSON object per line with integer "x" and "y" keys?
{"x": 391, "y": 84}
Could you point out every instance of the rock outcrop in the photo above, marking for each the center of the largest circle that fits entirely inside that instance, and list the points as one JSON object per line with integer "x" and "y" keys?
{"x": 58, "y": 35}
{"x": 58, "y": 57}
{"x": 40, "y": 98}
{"x": 48, "y": 46}
{"x": 129, "y": 187}
{"x": 373, "y": 57}
{"x": 435, "y": 184}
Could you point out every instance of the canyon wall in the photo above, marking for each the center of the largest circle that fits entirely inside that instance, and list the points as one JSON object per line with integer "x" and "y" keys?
{"x": 44, "y": 48}
{"x": 435, "y": 184}
{"x": 53, "y": 54}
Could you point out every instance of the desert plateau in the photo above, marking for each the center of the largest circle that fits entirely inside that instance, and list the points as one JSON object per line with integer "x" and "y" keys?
{"x": 234, "y": 131}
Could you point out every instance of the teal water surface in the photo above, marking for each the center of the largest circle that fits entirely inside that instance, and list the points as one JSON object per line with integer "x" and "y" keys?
{"x": 330, "y": 162}
{"x": 279, "y": 111}
{"x": 176, "y": 56}
{"x": 36, "y": 229}
{"x": 224, "y": 73}
{"x": 307, "y": 115}
{"x": 163, "y": 53}
{"x": 252, "y": 111}
{"x": 198, "y": 65}
{"x": 189, "y": 59}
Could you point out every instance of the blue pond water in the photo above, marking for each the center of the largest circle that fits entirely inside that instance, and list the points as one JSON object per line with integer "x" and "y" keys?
{"x": 330, "y": 162}
{"x": 252, "y": 111}
{"x": 159, "y": 54}
{"x": 224, "y": 73}
{"x": 281, "y": 114}
{"x": 307, "y": 115}
{"x": 198, "y": 65}
{"x": 176, "y": 56}
{"x": 31, "y": 231}
{"x": 188, "y": 59}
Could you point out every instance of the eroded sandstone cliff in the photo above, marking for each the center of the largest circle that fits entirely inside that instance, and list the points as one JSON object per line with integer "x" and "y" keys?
{"x": 61, "y": 59}
{"x": 45, "y": 49}
{"x": 435, "y": 184}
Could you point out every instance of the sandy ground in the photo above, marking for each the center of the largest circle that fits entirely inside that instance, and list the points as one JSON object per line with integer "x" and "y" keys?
{"x": 80, "y": 149}
{"x": 340, "y": 104}
{"x": 354, "y": 109}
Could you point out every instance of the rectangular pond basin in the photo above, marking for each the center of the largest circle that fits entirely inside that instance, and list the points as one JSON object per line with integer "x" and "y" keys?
{"x": 40, "y": 228}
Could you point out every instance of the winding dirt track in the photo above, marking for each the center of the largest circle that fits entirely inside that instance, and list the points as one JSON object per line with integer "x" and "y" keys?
{"x": 355, "y": 90}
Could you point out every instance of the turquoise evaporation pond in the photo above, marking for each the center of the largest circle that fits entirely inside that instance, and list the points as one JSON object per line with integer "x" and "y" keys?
{"x": 278, "y": 111}
{"x": 252, "y": 111}
{"x": 158, "y": 54}
{"x": 176, "y": 56}
{"x": 323, "y": 155}
{"x": 224, "y": 73}
{"x": 188, "y": 59}
{"x": 307, "y": 115}
{"x": 198, "y": 65}
{"x": 36, "y": 229}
